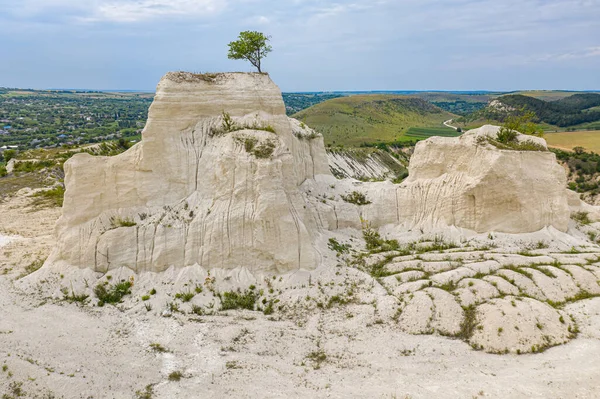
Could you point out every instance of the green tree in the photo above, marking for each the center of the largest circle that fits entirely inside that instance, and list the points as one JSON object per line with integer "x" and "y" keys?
{"x": 251, "y": 46}
{"x": 9, "y": 154}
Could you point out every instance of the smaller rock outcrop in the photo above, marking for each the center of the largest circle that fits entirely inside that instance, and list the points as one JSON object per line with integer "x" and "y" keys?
{"x": 471, "y": 183}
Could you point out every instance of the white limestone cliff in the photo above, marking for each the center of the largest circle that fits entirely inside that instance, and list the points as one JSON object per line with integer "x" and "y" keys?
{"x": 224, "y": 179}
{"x": 190, "y": 194}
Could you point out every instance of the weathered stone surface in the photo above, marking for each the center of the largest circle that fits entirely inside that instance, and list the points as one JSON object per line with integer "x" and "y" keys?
{"x": 193, "y": 195}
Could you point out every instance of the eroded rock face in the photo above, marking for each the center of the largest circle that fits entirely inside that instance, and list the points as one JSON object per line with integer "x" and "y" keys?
{"x": 468, "y": 183}
{"x": 192, "y": 192}
{"x": 224, "y": 179}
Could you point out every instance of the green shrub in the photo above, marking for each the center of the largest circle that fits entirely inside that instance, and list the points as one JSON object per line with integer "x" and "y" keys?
{"x": 334, "y": 245}
{"x": 581, "y": 217}
{"x": 185, "y": 296}
{"x": 506, "y": 135}
{"x": 356, "y": 197}
{"x": 3, "y": 171}
{"x": 175, "y": 376}
{"x": 264, "y": 150}
{"x": 238, "y": 300}
{"x": 108, "y": 293}
{"x": 9, "y": 154}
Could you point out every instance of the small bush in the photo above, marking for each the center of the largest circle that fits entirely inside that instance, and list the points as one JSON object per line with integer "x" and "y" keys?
{"x": 506, "y": 136}
{"x": 146, "y": 393}
{"x": 108, "y": 293}
{"x": 467, "y": 326}
{"x": 185, "y": 296}
{"x": 73, "y": 297}
{"x": 175, "y": 376}
{"x": 264, "y": 150}
{"x": 356, "y": 197}
{"x": 317, "y": 357}
{"x": 238, "y": 300}
{"x": 156, "y": 347}
{"x": 581, "y": 217}
{"x": 334, "y": 245}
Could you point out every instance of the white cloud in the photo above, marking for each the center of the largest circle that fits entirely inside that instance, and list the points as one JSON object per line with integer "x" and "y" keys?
{"x": 138, "y": 10}
{"x": 115, "y": 10}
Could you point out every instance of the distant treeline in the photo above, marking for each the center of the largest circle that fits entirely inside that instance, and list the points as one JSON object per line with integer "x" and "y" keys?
{"x": 569, "y": 111}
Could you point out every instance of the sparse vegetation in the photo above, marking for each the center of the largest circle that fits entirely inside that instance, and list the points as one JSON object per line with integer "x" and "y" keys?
{"x": 356, "y": 197}
{"x": 116, "y": 222}
{"x": 112, "y": 294}
{"x": 53, "y": 197}
{"x": 175, "y": 376}
{"x": 146, "y": 393}
{"x": 581, "y": 217}
{"x": 238, "y": 300}
{"x": 317, "y": 357}
{"x": 185, "y": 296}
{"x": 335, "y": 246}
{"x": 467, "y": 326}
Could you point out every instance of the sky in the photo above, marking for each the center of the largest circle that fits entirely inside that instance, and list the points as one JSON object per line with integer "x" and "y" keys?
{"x": 317, "y": 45}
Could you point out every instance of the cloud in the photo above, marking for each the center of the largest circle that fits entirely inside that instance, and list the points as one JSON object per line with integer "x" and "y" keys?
{"x": 121, "y": 11}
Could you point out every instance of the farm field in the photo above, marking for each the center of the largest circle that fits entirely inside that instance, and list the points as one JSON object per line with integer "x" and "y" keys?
{"x": 590, "y": 140}
{"x": 421, "y": 133}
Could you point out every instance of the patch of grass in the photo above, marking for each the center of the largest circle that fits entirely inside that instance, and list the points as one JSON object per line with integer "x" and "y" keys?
{"x": 375, "y": 243}
{"x": 15, "y": 390}
{"x": 527, "y": 145}
{"x": 156, "y": 347}
{"x": 238, "y": 300}
{"x": 581, "y": 217}
{"x": 468, "y": 324}
{"x": 197, "y": 310}
{"x": 334, "y": 245}
{"x": 356, "y": 197}
{"x": 112, "y": 294}
{"x": 317, "y": 357}
{"x": 116, "y": 222}
{"x": 33, "y": 266}
{"x": 53, "y": 197}
{"x": 146, "y": 393}
{"x": 73, "y": 297}
{"x": 175, "y": 376}
{"x": 185, "y": 296}
{"x": 232, "y": 364}
{"x": 269, "y": 308}
{"x": 448, "y": 286}
{"x": 264, "y": 150}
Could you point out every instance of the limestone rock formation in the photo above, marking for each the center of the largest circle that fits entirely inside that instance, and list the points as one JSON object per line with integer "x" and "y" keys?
{"x": 213, "y": 182}
{"x": 224, "y": 179}
{"x": 468, "y": 182}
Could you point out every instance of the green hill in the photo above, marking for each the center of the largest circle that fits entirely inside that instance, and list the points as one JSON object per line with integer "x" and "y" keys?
{"x": 354, "y": 120}
{"x": 576, "y": 110}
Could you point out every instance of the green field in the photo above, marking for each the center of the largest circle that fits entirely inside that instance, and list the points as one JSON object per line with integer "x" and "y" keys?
{"x": 354, "y": 120}
{"x": 590, "y": 140}
{"x": 421, "y": 133}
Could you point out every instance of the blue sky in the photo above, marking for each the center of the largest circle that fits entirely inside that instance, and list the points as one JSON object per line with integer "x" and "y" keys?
{"x": 317, "y": 45}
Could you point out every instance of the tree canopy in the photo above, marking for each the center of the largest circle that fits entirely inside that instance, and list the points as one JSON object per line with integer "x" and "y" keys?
{"x": 252, "y": 46}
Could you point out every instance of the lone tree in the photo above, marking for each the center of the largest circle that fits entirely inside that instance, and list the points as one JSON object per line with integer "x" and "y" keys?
{"x": 251, "y": 46}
